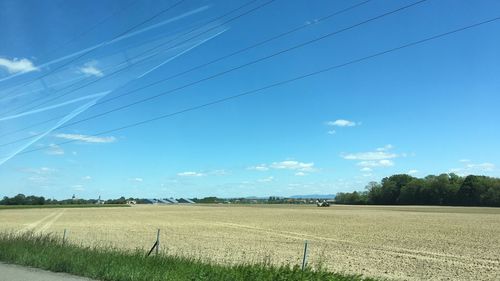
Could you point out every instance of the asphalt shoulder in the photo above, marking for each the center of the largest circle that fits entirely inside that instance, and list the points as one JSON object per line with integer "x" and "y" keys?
{"x": 10, "y": 272}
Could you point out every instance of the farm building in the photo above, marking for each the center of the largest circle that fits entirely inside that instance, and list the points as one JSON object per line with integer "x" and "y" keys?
{"x": 166, "y": 201}
{"x": 186, "y": 201}
{"x": 150, "y": 201}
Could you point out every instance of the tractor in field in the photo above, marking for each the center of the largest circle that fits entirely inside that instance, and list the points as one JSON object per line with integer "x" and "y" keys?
{"x": 323, "y": 203}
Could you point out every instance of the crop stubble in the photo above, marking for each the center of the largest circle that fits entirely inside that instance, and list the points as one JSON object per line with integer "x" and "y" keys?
{"x": 402, "y": 243}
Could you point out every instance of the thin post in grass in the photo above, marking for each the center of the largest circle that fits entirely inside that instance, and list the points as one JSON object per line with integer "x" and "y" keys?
{"x": 158, "y": 241}
{"x": 304, "y": 258}
{"x": 64, "y": 237}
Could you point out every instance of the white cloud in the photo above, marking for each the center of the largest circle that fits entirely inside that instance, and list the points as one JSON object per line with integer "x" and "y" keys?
{"x": 136, "y": 179}
{"x": 78, "y": 187}
{"x": 85, "y": 138}
{"x": 90, "y": 69}
{"x": 381, "y": 157}
{"x": 293, "y": 165}
{"x": 39, "y": 171}
{"x": 87, "y": 178}
{"x": 373, "y": 155}
{"x": 487, "y": 167}
{"x": 376, "y": 163}
{"x": 38, "y": 179}
{"x": 220, "y": 172}
{"x": 385, "y": 148}
{"x": 55, "y": 149}
{"x": 473, "y": 168}
{"x": 412, "y": 172}
{"x": 268, "y": 179}
{"x": 40, "y": 175}
{"x": 261, "y": 167}
{"x": 341, "y": 123}
{"x": 331, "y": 132}
{"x": 190, "y": 174}
{"x": 17, "y": 65}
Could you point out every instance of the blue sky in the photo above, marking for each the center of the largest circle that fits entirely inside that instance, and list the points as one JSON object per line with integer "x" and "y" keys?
{"x": 426, "y": 109}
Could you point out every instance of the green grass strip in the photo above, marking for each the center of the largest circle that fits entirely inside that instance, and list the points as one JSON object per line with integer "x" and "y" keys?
{"x": 48, "y": 252}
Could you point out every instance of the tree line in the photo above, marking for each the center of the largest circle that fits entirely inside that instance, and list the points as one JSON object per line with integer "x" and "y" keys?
{"x": 21, "y": 199}
{"x": 444, "y": 189}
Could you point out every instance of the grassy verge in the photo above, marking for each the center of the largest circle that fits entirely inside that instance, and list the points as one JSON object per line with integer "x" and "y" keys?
{"x": 49, "y": 253}
{"x": 8, "y": 207}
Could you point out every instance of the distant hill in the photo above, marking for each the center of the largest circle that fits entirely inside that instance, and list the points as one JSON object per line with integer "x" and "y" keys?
{"x": 313, "y": 196}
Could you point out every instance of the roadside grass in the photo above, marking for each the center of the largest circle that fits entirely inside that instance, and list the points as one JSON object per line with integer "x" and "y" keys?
{"x": 110, "y": 264}
{"x": 9, "y": 207}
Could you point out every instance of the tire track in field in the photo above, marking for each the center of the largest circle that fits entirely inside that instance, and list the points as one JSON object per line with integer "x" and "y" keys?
{"x": 33, "y": 225}
{"x": 50, "y": 222}
{"x": 388, "y": 250}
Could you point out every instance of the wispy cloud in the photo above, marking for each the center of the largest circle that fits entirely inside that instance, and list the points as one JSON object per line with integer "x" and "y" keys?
{"x": 376, "y": 163}
{"x": 381, "y": 157}
{"x": 412, "y": 172}
{"x": 342, "y": 123}
{"x": 268, "y": 179}
{"x": 85, "y": 138}
{"x": 293, "y": 165}
{"x": 190, "y": 174}
{"x": 385, "y": 147}
{"x": 379, "y": 154}
{"x": 41, "y": 175}
{"x": 54, "y": 106}
{"x": 136, "y": 180}
{"x": 78, "y": 187}
{"x": 17, "y": 65}
{"x": 61, "y": 122}
{"x": 220, "y": 172}
{"x": 261, "y": 167}
{"x": 474, "y": 168}
{"x": 55, "y": 149}
{"x": 373, "y": 155}
{"x": 482, "y": 166}
{"x": 39, "y": 171}
{"x": 86, "y": 50}
{"x": 90, "y": 68}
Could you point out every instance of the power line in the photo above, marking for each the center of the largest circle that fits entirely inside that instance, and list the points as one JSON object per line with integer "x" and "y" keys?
{"x": 162, "y": 44}
{"x": 91, "y": 50}
{"x": 255, "y": 91}
{"x": 219, "y": 73}
{"x": 327, "y": 17}
{"x": 103, "y": 21}
{"x": 81, "y": 34}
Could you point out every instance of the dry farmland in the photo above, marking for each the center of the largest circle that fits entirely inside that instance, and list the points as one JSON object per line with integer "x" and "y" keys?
{"x": 401, "y": 243}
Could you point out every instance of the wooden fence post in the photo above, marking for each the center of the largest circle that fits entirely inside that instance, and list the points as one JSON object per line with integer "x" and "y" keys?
{"x": 304, "y": 259}
{"x": 64, "y": 237}
{"x": 158, "y": 241}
